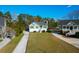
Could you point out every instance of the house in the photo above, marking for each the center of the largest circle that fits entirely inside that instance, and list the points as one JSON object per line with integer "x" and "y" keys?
{"x": 10, "y": 33}
{"x": 69, "y": 26}
{"x": 38, "y": 27}
{"x": 2, "y": 27}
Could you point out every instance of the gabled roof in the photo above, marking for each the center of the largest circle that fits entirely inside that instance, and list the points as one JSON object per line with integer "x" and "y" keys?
{"x": 39, "y": 23}
{"x": 2, "y": 21}
{"x": 65, "y": 22}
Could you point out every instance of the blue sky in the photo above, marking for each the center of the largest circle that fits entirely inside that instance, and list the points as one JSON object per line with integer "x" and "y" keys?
{"x": 52, "y": 11}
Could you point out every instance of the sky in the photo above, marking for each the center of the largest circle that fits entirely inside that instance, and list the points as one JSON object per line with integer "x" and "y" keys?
{"x": 50, "y": 11}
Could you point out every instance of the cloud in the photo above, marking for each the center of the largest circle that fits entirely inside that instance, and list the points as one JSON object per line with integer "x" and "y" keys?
{"x": 68, "y": 6}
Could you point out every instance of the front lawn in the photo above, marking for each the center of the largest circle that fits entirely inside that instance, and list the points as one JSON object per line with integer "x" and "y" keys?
{"x": 10, "y": 46}
{"x": 46, "y": 42}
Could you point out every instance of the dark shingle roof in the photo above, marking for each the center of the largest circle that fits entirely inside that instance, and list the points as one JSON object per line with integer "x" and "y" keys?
{"x": 1, "y": 21}
{"x": 65, "y": 22}
{"x": 40, "y": 23}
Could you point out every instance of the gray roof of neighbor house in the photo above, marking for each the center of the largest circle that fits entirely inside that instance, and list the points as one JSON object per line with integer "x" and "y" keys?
{"x": 1, "y": 21}
{"x": 65, "y": 22}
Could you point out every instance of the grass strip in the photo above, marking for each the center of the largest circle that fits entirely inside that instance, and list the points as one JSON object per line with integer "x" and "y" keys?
{"x": 11, "y": 45}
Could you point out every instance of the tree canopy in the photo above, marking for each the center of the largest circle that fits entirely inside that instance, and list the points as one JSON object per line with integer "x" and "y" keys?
{"x": 1, "y": 14}
{"x": 37, "y": 19}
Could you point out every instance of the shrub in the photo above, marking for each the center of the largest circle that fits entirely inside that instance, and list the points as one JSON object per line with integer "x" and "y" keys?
{"x": 77, "y": 34}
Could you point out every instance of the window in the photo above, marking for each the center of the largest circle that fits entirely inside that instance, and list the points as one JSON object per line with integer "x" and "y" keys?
{"x": 75, "y": 27}
{"x": 41, "y": 26}
{"x": 36, "y": 26}
{"x": 78, "y": 27}
{"x": 31, "y": 27}
{"x": 67, "y": 27}
{"x": 44, "y": 27}
{"x": 0, "y": 28}
{"x": 64, "y": 27}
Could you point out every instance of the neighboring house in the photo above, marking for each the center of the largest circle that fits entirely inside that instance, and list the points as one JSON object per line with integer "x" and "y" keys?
{"x": 2, "y": 27}
{"x": 69, "y": 25}
{"x": 4, "y": 30}
{"x": 38, "y": 27}
{"x": 10, "y": 33}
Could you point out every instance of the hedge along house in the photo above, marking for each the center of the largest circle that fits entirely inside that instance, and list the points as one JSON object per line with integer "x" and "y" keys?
{"x": 2, "y": 26}
{"x": 69, "y": 25}
{"x": 38, "y": 27}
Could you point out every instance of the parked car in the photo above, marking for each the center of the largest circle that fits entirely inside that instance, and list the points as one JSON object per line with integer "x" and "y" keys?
{"x": 70, "y": 33}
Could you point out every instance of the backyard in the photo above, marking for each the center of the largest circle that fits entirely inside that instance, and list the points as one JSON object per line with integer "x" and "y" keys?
{"x": 47, "y": 43}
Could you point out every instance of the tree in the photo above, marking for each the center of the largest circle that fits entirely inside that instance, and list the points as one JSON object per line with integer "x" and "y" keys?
{"x": 8, "y": 15}
{"x": 29, "y": 19}
{"x": 37, "y": 19}
{"x": 20, "y": 25}
{"x": 8, "y": 18}
{"x": 1, "y": 14}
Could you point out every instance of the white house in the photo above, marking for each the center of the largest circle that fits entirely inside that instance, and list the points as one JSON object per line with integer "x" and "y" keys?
{"x": 69, "y": 25}
{"x": 38, "y": 27}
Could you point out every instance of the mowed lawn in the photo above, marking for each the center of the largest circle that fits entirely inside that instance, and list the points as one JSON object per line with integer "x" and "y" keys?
{"x": 47, "y": 43}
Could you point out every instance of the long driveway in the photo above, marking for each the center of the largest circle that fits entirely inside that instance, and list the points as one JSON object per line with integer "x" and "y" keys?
{"x": 72, "y": 41}
{"x": 21, "y": 47}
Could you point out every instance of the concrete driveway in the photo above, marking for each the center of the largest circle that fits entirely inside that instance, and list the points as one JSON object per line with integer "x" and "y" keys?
{"x": 72, "y": 41}
{"x": 21, "y": 47}
{"x": 4, "y": 42}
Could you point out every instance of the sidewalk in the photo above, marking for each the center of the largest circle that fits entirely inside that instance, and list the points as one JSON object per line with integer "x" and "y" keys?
{"x": 21, "y": 47}
{"x": 4, "y": 42}
{"x": 72, "y": 41}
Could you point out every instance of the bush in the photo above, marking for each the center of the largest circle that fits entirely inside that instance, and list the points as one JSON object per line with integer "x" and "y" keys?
{"x": 77, "y": 34}
{"x": 50, "y": 31}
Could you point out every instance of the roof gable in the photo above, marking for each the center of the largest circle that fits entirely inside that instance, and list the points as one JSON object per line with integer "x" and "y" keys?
{"x": 71, "y": 23}
{"x": 66, "y": 22}
{"x": 38, "y": 23}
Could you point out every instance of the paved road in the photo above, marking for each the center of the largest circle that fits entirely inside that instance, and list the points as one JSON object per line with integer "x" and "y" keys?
{"x": 72, "y": 41}
{"x": 4, "y": 42}
{"x": 21, "y": 47}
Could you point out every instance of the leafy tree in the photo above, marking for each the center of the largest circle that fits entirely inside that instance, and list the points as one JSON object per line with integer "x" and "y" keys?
{"x": 9, "y": 18}
{"x": 1, "y": 14}
{"x": 29, "y": 19}
{"x": 52, "y": 24}
{"x": 8, "y": 15}
{"x": 37, "y": 19}
{"x": 20, "y": 25}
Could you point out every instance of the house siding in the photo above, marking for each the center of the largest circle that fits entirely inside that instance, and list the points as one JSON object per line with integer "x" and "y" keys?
{"x": 40, "y": 27}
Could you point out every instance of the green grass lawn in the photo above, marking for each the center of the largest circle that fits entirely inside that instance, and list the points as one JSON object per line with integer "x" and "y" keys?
{"x": 10, "y": 46}
{"x": 1, "y": 39}
{"x": 46, "y": 42}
